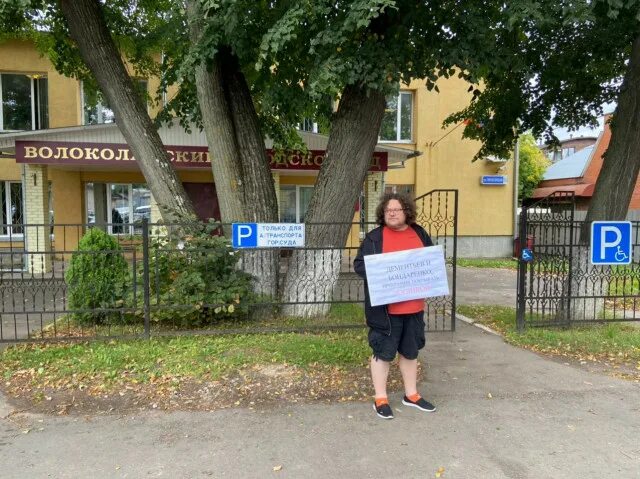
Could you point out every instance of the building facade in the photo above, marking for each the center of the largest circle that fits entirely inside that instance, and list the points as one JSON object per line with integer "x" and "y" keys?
{"x": 64, "y": 161}
{"x": 579, "y": 172}
{"x": 568, "y": 147}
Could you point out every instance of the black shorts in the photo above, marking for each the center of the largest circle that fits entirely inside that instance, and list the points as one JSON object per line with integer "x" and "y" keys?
{"x": 407, "y": 337}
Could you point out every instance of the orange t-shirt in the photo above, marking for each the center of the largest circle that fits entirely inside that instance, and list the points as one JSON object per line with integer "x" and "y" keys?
{"x": 399, "y": 241}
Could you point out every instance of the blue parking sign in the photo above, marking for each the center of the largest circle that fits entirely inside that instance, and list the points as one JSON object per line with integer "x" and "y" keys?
{"x": 244, "y": 235}
{"x": 611, "y": 242}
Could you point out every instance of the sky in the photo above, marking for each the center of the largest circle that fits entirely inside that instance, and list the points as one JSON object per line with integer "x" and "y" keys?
{"x": 564, "y": 134}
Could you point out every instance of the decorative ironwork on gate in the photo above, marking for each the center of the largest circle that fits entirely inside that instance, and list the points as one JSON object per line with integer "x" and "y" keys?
{"x": 558, "y": 286}
{"x": 437, "y": 212}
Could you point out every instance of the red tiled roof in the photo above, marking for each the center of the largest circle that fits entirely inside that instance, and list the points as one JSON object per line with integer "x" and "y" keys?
{"x": 582, "y": 189}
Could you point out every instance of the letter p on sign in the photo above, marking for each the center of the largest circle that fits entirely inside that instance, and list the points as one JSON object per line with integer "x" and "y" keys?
{"x": 611, "y": 242}
{"x": 244, "y": 235}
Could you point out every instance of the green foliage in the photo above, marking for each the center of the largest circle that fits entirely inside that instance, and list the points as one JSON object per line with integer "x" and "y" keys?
{"x": 197, "y": 273}
{"x": 96, "y": 278}
{"x": 532, "y": 65}
{"x": 550, "y": 64}
{"x": 533, "y": 164}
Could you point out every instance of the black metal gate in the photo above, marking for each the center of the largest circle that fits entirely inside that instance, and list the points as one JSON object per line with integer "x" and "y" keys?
{"x": 437, "y": 212}
{"x": 557, "y": 284}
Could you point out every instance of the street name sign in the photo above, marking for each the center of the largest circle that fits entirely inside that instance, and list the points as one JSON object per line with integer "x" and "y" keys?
{"x": 493, "y": 180}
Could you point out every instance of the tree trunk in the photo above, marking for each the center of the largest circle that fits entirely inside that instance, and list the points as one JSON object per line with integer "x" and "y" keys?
{"x": 312, "y": 274}
{"x": 612, "y": 194}
{"x": 622, "y": 160}
{"x": 218, "y": 128}
{"x": 259, "y": 189}
{"x": 260, "y": 201}
{"x": 89, "y": 30}
{"x": 240, "y": 164}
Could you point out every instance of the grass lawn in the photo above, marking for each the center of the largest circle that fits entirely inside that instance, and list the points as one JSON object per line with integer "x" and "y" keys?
{"x": 197, "y": 357}
{"x": 613, "y": 343}
{"x": 195, "y": 372}
{"x": 502, "y": 263}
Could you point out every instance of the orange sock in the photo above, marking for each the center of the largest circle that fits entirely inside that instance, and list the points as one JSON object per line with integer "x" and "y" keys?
{"x": 414, "y": 397}
{"x": 381, "y": 401}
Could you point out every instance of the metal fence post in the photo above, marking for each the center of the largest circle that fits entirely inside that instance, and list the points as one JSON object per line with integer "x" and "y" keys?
{"x": 522, "y": 272}
{"x": 145, "y": 277}
{"x": 455, "y": 260}
{"x": 570, "y": 274}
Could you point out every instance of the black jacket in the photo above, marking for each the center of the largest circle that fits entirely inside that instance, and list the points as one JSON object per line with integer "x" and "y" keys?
{"x": 377, "y": 316}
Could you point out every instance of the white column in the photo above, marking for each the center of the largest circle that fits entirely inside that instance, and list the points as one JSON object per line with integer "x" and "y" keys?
{"x": 38, "y": 236}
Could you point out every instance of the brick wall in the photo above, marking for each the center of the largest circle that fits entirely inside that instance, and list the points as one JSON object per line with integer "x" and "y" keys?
{"x": 38, "y": 238}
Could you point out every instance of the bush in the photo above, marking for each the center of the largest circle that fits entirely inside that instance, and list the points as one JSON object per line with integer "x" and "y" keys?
{"x": 96, "y": 277}
{"x": 195, "y": 280}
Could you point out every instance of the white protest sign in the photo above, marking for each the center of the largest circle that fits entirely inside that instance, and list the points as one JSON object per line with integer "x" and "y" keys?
{"x": 404, "y": 275}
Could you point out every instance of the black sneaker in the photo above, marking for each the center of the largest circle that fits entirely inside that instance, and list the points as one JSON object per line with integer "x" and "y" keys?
{"x": 384, "y": 411}
{"x": 420, "y": 404}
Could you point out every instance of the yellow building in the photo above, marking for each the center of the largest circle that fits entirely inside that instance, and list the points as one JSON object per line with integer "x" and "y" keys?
{"x": 65, "y": 161}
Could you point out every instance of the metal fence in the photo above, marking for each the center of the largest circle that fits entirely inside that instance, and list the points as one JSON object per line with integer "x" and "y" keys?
{"x": 560, "y": 287}
{"x": 161, "y": 280}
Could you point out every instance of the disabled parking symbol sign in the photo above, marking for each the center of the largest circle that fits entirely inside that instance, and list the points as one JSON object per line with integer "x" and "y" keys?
{"x": 611, "y": 242}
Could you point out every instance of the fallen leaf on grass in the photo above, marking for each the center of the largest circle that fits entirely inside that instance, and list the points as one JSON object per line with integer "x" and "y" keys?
{"x": 440, "y": 472}
{"x": 277, "y": 468}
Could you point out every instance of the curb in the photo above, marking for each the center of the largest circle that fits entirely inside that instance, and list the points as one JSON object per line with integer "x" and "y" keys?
{"x": 473, "y": 322}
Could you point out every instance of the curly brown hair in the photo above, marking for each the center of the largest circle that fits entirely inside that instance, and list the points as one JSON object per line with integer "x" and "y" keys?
{"x": 408, "y": 205}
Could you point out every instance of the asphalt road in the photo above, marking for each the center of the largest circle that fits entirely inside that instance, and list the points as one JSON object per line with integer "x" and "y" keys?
{"x": 502, "y": 412}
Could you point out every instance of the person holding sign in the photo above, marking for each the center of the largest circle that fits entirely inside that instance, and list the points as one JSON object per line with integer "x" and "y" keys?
{"x": 396, "y": 327}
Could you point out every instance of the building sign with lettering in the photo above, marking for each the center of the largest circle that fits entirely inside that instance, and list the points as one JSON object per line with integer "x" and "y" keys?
{"x": 104, "y": 154}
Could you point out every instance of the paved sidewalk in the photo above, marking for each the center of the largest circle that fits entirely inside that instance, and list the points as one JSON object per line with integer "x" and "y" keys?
{"x": 502, "y": 413}
{"x": 483, "y": 286}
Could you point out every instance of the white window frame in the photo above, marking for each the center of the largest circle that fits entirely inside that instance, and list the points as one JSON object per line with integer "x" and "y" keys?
{"x": 33, "y": 101}
{"x": 314, "y": 127}
{"x": 7, "y": 199}
{"x": 298, "y": 187}
{"x": 131, "y": 227}
{"x": 100, "y": 107}
{"x": 109, "y": 203}
{"x": 398, "y": 120}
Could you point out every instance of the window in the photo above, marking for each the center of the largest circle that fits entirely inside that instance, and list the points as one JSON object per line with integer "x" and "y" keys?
{"x": 25, "y": 102}
{"x": 566, "y": 152}
{"x": 11, "y": 216}
{"x": 398, "y": 118}
{"x": 294, "y": 203}
{"x": 308, "y": 125}
{"x": 96, "y": 110}
{"x": 127, "y": 205}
